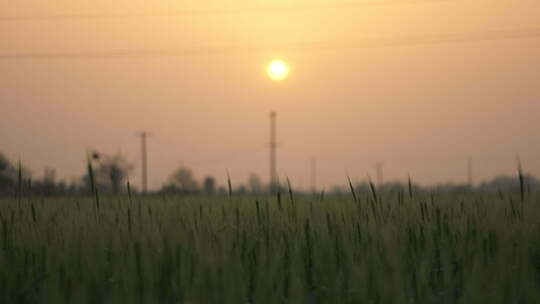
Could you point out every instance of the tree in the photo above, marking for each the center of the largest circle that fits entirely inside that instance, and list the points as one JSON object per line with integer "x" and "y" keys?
{"x": 183, "y": 180}
{"x": 254, "y": 183}
{"x": 47, "y": 186}
{"x": 209, "y": 185}
{"x": 7, "y": 174}
{"x": 10, "y": 175}
{"x": 111, "y": 171}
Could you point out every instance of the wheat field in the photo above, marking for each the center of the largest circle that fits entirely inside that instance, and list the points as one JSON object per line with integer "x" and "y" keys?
{"x": 360, "y": 247}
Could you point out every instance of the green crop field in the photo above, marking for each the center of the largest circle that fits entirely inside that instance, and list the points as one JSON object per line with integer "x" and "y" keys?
{"x": 359, "y": 247}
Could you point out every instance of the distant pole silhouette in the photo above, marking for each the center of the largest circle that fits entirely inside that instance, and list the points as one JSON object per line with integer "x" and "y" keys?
{"x": 144, "y": 168}
{"x": 379, "y": 167}
{"x": 313, "y": 174}
{"x": 273, "y": 146}
{"x": 470, "y": 181}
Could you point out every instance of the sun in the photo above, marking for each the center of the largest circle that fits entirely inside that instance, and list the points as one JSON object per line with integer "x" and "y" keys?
{"x": 277, "y": 70}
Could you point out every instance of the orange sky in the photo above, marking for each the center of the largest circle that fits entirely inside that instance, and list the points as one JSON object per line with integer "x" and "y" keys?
{"x": 419, "y": 109}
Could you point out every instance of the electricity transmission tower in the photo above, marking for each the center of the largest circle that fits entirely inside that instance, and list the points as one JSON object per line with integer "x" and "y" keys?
{"x": 470, "y": 180}
{"x": 380, "y": 177}
{"x": 313, "y": 174}
{"x": 144, "y": 161}
{"x": 273, "y": 146}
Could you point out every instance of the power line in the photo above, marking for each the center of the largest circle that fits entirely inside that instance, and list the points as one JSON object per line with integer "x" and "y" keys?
{"x": 376, "y": 42}
{"x": 206, "y": 12}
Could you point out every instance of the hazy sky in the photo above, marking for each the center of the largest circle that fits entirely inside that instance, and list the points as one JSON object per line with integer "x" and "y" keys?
{"x": 421, "y": 110}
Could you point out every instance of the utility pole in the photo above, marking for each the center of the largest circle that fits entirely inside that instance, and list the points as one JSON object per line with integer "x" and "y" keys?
{"x": 470, "y": 172}
{"x": 379, "y": 168}
{"x": 313, "y": 174}
{"x": 273, "y": 146}
{"x": 144, "y": 168}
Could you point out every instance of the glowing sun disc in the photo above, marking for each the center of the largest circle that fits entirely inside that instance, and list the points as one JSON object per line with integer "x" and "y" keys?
{"x": 277, "y": 70}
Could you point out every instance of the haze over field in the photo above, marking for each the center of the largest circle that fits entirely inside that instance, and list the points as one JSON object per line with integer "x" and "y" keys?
{"x": 421, "y": 109}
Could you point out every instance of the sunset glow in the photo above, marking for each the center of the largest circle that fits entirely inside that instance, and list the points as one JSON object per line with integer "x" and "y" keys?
{"x": 241, "y": 151}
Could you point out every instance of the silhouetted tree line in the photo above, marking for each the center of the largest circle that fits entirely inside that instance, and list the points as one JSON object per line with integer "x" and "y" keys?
{"x": 110, "y": 175}
{"x": 497, "y": 184}
{"x": 183, "y": 181}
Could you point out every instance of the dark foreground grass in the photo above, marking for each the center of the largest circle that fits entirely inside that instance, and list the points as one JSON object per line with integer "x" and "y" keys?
{"x": 367, "y": 248}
